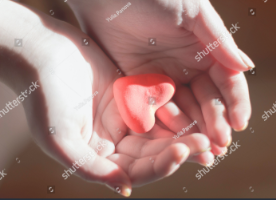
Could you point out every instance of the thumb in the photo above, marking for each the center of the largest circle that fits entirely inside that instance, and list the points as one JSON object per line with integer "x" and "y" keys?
{"x": 211, "y": 31}
{"x": 82, "y": 160}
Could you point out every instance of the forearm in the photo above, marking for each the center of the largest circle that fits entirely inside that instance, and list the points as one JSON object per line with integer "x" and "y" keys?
{"x": 19, "y": 27}
{"x": 44, "y": 43}
{"x": 48, "y": 44}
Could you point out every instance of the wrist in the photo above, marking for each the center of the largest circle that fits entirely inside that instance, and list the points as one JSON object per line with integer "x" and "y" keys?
{"x": 17, "y": 22}
{"x": 17, "y": 25}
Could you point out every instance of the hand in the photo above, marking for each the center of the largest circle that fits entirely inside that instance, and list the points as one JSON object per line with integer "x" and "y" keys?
{"x": 182, "y": 29}
{"x": 66, "y": 74}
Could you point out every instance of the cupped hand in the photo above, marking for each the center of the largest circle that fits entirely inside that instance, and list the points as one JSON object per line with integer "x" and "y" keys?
{"x": 167, "y": 36}
{"x": 72, "y": 113}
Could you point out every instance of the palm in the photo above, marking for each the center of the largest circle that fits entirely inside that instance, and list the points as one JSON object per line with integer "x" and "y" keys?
{"x": 70, "y": 95}
{"x": 174, "y": 54}
{"x": 68, "y": 74}
{"x": 80, "y": 71}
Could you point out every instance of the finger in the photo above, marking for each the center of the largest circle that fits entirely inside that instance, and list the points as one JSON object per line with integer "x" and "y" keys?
{"x": 215, "y": 116}
{"x": 149, "y": 169}
{"x": 216, "y": 150}
{"x": 82, "y": 160}
{"x": 211, "y": 31}
{"x": 175, "y": 119}
{"x": 113, "y": 122}
{"x": 156, "y": 132}
{"x": 204, "y": 158}
{"x": 161, "y": 124}
{"x": 234, "y": 89}
{"x": 188, "y": 104}
{"x": 138, "y": 147}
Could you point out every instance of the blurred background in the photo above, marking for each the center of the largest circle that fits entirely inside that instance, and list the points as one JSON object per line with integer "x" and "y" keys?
{"x": 246, "y": 173}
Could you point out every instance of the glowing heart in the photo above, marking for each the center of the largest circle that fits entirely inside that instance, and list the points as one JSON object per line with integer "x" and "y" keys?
{"x": 138, "y": 97}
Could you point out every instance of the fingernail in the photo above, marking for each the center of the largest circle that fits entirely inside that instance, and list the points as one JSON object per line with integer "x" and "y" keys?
{"x": 208, "y": 149}
{"x": 176, "y": 164}
{"x": 185, "y": 155}
{"x": 173, "y": 168}
{"x": 229, "y": 141}
{"x": 243, "y": 128}
{"x": 223, "y": 153}
{"x": 120, "y": 188}
{"x": 246, "y": 59}
{"x": 209, "y": 164}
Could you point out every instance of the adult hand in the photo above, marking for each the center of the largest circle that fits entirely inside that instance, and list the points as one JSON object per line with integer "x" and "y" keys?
{"x": 181, "y": 28}
{"x": 65, "y": 73}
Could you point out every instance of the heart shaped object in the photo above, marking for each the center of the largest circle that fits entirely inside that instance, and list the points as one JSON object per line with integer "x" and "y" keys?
{"x": 138, "y": 97}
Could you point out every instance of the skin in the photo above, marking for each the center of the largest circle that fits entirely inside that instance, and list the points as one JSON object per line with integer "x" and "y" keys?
{"x": 79, "y": 71}
{"x": 67, "y": 73}
{"x": 180, "y": 33}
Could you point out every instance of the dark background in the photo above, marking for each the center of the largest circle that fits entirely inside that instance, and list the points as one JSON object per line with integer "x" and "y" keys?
{"x": 248, "y": 172}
